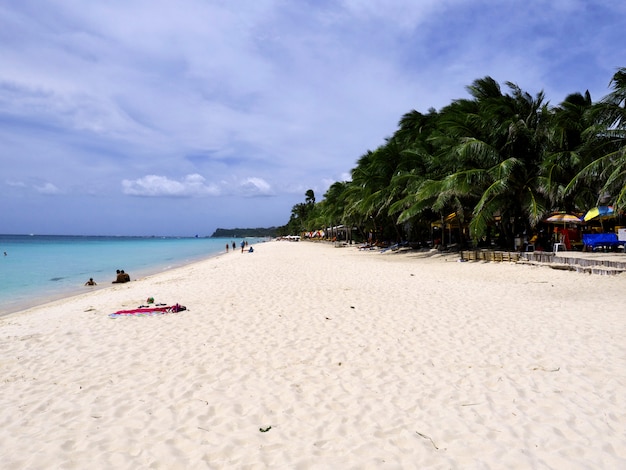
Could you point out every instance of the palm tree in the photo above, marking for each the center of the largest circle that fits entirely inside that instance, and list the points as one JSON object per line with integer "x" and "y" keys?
{"x": 568, "y": 152}
{"x": 613, "y": 106}
{"x": 359, "y": 191}
{"x": 333, "y": 206}
{"x": 373, "y": 191}
{"x": 309, "y": 197}
{"x": 496, "y": 142}
{"x": 504, "y": 159}
{"x": 419, "y": 165}
{"x": 607, "y": 141}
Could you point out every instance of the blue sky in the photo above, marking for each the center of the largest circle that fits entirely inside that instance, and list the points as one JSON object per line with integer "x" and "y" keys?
{"x": 154, "y": 117}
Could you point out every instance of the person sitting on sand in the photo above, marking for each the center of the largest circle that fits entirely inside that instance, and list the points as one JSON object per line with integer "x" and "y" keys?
{"x": 126, "y": 276}
{"x": 121, "y": 278}
{"x": 91, "y": 282}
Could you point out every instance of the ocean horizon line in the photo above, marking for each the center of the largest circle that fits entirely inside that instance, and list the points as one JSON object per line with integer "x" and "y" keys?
{"x": 103, "y": 235}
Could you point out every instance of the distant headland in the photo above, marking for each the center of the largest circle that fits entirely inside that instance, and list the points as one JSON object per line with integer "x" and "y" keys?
{"x": 244, "y": 232}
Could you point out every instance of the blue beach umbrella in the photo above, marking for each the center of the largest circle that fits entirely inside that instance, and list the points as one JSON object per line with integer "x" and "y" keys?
{"x": 599, "y": 212}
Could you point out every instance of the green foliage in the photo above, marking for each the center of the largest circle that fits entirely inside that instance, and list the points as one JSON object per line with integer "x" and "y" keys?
{"x": 302, "y": 216}
{"x": 498, "y": 161}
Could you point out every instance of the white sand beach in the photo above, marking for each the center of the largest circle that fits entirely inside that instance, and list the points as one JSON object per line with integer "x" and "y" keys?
{"x": 302, "y": 355}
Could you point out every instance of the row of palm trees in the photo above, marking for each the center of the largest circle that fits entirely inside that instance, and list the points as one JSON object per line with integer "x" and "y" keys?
{"x": 501, "y": 161}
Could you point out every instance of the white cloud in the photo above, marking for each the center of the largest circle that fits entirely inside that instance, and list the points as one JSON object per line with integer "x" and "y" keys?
{"x": 16, "y": 184}
{"x": 194, "y": 185}
{"x": 254, "y": 187}
{"x": 48, "y": 188}
{"x": 162, "y": 186}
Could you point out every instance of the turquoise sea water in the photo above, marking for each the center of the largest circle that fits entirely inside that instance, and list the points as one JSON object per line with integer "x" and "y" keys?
{"x": 41, "y": 268}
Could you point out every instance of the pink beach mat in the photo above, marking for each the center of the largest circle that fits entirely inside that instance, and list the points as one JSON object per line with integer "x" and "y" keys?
{"x": 148, "y": 312}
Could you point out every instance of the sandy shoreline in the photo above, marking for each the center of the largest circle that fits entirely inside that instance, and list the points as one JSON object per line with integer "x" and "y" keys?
{"x": 345, "y": 359}
{"x": 102, "y": 283}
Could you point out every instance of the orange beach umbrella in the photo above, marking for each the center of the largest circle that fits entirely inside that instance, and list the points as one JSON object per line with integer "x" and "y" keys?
{"x": 563, "y": 218}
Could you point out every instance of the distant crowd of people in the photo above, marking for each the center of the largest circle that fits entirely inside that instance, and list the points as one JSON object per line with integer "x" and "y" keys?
{"x": 244, "y": 245}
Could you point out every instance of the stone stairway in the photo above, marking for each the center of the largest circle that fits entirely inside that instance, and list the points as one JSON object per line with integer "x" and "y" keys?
{"x": 589, "y": 263}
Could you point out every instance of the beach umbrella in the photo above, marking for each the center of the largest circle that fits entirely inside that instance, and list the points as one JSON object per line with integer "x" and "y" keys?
{"x": 563, "y": 218}
{"x": 599, "y": 212}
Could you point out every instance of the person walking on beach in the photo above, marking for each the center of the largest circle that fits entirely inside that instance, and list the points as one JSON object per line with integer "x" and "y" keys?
{"x": 227, "y": 245}
{"x": 243, "y": 245}
{"x": 234, "y": 246}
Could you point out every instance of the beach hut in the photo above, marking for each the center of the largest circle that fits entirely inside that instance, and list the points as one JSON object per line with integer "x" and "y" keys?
{"x": 449, "y": 223}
